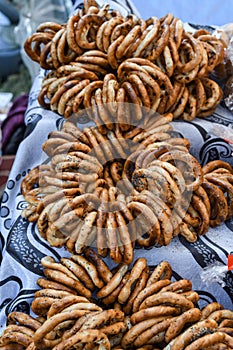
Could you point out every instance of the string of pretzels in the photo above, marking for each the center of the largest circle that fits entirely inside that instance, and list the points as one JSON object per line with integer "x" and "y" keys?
{"x": 100, "y": 57}
{"x": 135, "y": 307}
{"x": 116, "y": 191}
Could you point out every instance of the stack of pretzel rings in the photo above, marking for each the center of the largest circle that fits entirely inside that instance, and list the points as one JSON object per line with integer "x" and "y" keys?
{"x": 82, "y": 304}
{"x": 100, "y": 59}
{"x": 117, "y": 190}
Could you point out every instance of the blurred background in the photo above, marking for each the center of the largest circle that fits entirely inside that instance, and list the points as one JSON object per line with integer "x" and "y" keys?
{"x": 204, "y": 12}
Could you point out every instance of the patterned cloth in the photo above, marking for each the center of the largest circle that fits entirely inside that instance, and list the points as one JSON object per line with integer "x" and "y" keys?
{"x": 22, "y": 247}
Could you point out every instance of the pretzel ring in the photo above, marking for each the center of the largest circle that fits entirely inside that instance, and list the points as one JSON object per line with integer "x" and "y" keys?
{"x": 132, "y": 334}
{"x": 162, "y": 271}
{"x": 79, "y": 271}
{"x": 156, "y": 330}
{"x": 83, "y": 28}
{"x": 218, "y": 315}
{"x": 216, "y": 164}
{"x": 152, "y": 312}
{"x": 128, "y": 40}
{"x": 113, "y": 283}
{"x": 112, "y": 238}
{"x": 148, "y": 291}
{"x": 162, "y": 40}
{"x": 152, "y": 224}
{"x": 180, "y": 286}
{"x": 47, "y": 284}
{"x": 136, "y": 271}
{"x": 209, "y": 309}
{"x": 191, "y": 161}
{"x": 103, "y": 318}
{"x": 89, "y": 336}
{"x": 213, "y": 94}
{"x": 140, "y": 285}
{"x": 168, "y": 298}
{"x": 17, "y": 337}
{"x": 219, "y": 207}
{"x": 20, "y": 318}
{"x": 71, "y": 36}
{"x": 192, "y": 333}
{"x": 196, "y": 54}
{"x": 208, "y": 340}
{"x": 178, "y": 323}
{"x": 101, "y": 267}
{"x": 90, "y": 269}
{"x": 34, "y": 51}
{"x": 61, "y": 277}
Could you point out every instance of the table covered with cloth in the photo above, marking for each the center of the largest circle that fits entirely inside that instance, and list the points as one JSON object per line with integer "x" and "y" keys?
{"x": 22, "y": 248}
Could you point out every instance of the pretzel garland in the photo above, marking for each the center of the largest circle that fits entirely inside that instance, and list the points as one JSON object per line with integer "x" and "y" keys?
{"x": 128, "y": 308}
{"x": 117, "y": 190}
{"x": 153, "y": 63}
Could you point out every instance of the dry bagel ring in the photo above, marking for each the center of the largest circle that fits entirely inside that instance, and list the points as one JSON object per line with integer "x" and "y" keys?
{"x": 125, "y": 238}
{"x": 165, "y": 224}
{"x": 208, "y": 340}
{"x": 103, "y": 318}
{"x": 90, "y": 269}
{"x": 136, "y": 271}
{"x": 209, "y": 309}
{"x": 101, "y": 266}
{"x": 16, "y": 337}
{"x": 148, "y": 291}
{"x": 90, "y": 336}
{"x": 60, "y": 277}
{"x": 71, "y": 36}
{"x": 147, "y": 336}
{"x": 216, "y": 164}
{"x": 162, "y": 271}
{"x": 38, "y": 39}
{"x": 20, "y": 318}
{"x": 114, "y": 282}
{"x": 192, "y": 333}
{"x": 191, "y": 161}
{"x": 152, "y": 223}
{"x": 177, "y": 324}
{"x": 168, "y": 298}
{"x": 196, "y": 59}
{"x": 154, "y": 311}
{"x": 79, "y": 271}
{"x": 148, "y": 36}
{"x": 218, "y": 203}
{"x": 140, "y": 285}
{"x": 83, "y": 28}
{"x": 128, "y": 40}
{"x": 132, "y": 334}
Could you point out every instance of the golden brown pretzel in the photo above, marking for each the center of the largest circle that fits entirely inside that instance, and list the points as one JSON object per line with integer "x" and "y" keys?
{"x": 208, "y": 340}
{"x": 148, "y": 291}
{"x": 154, "y": 311}
{"x": 114, "y": 282}
{"x": 178, "y": 323}
{"x": 188, "y": 159}
{"x": 192, "y": 333}
{"x": 90, "y": 336}
{"x": 167, "y": 298}
{"x": 162, "y": 271}
{"x": 219, "y": 208}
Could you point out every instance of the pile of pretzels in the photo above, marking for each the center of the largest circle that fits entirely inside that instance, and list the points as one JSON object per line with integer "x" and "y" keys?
{"x": 100, "y": 60}
{"x": 117, "y": 190}
{"x": 83, "y": 304}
